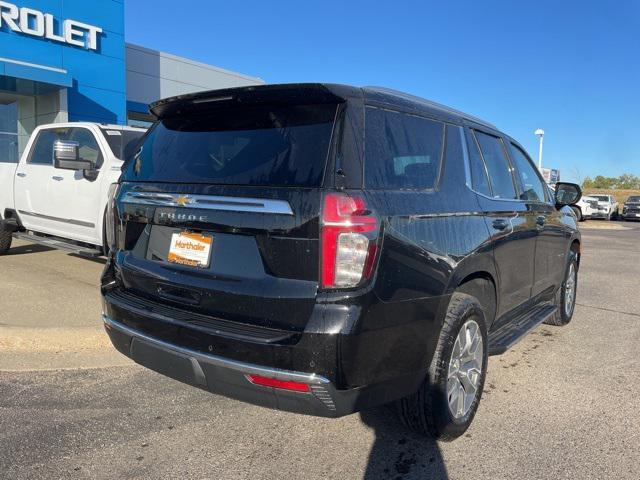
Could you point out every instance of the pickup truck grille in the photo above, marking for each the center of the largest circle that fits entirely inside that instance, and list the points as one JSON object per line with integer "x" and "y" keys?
{"x": 211, "y": 325}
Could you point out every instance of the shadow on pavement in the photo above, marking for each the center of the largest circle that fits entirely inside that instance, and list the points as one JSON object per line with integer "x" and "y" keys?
{"x": 100, "y": 260}
{"x": 398, "y": 453}
{"x": 37, "y": 248}
{"x": 29, "y": 248}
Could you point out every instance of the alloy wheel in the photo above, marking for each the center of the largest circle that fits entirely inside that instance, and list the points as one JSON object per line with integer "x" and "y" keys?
{"x": 465, "y": 368}
{"x": 570, "y": 290}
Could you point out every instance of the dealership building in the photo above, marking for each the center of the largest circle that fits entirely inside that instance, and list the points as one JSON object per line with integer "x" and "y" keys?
{"x": 67, "y": 60}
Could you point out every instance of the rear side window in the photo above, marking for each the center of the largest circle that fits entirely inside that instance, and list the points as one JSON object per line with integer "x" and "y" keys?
{"x": 533, "y": 189}
{"x": 269, "y": 145}
{"x": 498, "y": 166}
{"x": 402, "y": 151}
{"x": 123, "y": 143}
{"x": 479, "y": 179}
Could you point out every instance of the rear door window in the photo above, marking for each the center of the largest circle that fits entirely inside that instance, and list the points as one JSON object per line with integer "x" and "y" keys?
{"x": 241, "y": 145}
{"x": 498, "y": 166}
{"x": 533, "y": 189}
{"x": 402, "y": 151}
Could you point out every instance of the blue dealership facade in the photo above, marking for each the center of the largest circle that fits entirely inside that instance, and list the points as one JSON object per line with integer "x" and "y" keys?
{"x": 67, "y": 60}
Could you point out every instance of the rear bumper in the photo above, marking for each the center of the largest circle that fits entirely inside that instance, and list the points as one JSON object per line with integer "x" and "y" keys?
{"x": 229, "y": 377}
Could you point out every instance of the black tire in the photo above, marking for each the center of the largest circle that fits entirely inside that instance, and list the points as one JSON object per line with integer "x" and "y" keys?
{"x": 564, "y": 314}
{"x": 5, "y": 241}
{"x": 427, "y": 411}
{"x": 578, "y": 213}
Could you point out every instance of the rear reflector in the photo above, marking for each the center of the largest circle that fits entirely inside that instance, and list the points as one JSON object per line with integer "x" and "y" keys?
{"x": 281, "y": 384}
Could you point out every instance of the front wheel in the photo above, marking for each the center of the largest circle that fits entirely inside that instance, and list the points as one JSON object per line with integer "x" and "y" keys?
{"x": 566, "y": 294}
{"x": 448, "y": 399}
{"x": 5, "y": 241}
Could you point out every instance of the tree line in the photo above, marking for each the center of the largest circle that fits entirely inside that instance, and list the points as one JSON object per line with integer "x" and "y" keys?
{"x": 626, "y": 181}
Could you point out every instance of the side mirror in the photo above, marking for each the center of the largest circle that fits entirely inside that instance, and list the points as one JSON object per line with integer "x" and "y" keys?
{"x": 66, "y": 156}
{"x": 567, "y": 194}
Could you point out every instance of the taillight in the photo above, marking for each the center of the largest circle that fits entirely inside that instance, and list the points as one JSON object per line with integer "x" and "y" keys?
{"x": 349, "y": 234}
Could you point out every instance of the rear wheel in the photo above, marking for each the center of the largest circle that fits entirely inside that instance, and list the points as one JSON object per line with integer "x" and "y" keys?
{"x": 566, "y": 294}
{"x": 447, "y": 401}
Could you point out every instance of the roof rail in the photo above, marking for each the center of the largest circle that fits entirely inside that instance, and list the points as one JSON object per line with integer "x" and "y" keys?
{"x": 429, "y": 103}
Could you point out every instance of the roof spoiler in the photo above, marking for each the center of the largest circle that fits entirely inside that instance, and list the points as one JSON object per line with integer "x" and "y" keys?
{"x": 282, "y": 94}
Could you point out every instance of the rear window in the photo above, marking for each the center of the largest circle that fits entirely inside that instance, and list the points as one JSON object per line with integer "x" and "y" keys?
{"x": 257, "y": 145}
{"x": 402, "y": 151}
{"x": 123, "y": 143}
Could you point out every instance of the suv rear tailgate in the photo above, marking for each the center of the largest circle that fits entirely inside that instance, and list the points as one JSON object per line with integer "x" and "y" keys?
{"x": 263, "y": 266}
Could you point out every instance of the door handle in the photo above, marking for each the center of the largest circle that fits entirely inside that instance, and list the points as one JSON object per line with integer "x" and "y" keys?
{"x": 541, "y": 220}
{"x": 21, "y": 175}
{"x": 57, "y": 178}
{"x": 500, "y": 224}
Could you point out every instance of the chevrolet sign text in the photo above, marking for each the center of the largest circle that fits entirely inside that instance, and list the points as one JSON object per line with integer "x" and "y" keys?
{"x": 38, "y": 24}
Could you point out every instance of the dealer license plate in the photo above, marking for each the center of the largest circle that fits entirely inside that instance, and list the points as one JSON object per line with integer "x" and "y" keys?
{"x": 192, "y": 249}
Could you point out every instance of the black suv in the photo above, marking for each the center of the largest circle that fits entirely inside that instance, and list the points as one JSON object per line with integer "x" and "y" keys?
{"x": 325, "y": 249}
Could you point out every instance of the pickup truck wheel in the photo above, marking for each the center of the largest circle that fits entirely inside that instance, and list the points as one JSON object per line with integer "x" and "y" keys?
{"x": 566, "y": 294}
{"x": 5, "y": 241}
{"x": 447, "y": 401}
{"x": 578, "y": 213}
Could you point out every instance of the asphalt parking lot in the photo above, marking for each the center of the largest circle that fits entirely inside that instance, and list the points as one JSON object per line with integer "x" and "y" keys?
{"x": 563, "y": 403}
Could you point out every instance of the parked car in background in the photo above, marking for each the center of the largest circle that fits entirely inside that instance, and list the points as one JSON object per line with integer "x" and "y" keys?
{"x": 585, "y": 208}
{"x": 325, "y": 249}
{"x": 631, "y": 208}
{"x": 56, "y": 195}
{"x": 607, "y": 207}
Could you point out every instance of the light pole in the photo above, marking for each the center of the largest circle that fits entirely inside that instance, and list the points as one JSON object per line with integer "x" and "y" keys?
{"x": 540, "y": 134}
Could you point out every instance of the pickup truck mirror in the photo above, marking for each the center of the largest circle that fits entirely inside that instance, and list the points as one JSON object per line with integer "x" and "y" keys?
{"x": 567, "y": 194}
{"x": 66, "y": 155}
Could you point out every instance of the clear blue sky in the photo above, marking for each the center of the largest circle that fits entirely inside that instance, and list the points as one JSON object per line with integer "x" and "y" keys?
{"x": 570, "y": 67}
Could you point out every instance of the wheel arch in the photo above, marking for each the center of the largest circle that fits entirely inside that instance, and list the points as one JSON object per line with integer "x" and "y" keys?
{"x": 478, "y": 268}
{"x": 576, "y": 246}
{"x": 482, "y": 285}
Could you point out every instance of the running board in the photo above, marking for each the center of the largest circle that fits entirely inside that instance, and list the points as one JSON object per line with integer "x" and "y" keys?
{"x": 503, "y": 338}
{"x": 59, "y": 244}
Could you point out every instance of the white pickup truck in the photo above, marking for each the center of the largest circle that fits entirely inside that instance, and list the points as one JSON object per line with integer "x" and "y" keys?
{"x": 57, "y": 193}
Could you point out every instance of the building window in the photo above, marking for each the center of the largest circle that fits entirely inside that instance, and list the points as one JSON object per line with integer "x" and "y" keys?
{"x": 9, "y": 133}
{"x": 137, "y": 119}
